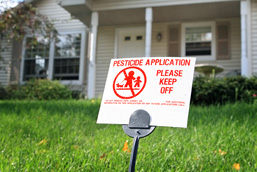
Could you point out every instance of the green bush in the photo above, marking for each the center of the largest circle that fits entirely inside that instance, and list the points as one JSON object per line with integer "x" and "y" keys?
{"x": 76, "y": 94}
{"x": 3, "y": 93}
{"x": 205, "y": 91}
{"x": 40, "y": 89}
{"x": 208, "y": 91}
{"x": 16, "y": 91}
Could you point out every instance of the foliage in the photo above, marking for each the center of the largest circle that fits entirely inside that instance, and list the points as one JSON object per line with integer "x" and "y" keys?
{"x": 24, "y": 19}
{"x": 76, "y": 94}
{"x": 41, "y": 89}
{"x": 64, "y": 136}
{"x": 15, "y": 91}
{"x": 208, "y": 91}
{"x": 3, "y": 93}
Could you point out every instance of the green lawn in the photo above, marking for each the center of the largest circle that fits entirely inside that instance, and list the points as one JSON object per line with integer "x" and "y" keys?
{"x": 64, "y": 136}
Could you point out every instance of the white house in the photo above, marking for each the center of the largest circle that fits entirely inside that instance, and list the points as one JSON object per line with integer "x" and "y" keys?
{"x": 219, "y": 32}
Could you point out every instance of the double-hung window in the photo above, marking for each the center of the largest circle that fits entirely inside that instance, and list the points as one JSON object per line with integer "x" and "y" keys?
{"x": 67, "y": 57}
{"x": 198, "y": 40}
{"x": 61, "y": 59}
{"x": 36, "y": 58}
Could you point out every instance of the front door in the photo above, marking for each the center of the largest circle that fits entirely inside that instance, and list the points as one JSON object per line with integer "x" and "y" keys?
{"x": 131, "y": 42}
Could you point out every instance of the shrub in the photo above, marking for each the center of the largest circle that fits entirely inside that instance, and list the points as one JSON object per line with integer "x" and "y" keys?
{"x": 76, "y": 94}
{"x": 208, "y": 91}
{"x": 3, "y": 93}
{"x": 15, "y": 91}
{"x": 40, "y": 89}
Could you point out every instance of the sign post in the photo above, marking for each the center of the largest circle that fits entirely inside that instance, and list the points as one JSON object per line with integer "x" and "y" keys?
{"x": 138, "y": 127}
{"x": 160, "y": 86}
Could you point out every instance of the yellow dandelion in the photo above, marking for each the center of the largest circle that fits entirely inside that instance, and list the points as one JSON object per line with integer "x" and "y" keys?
{"x": 236, "y": 166}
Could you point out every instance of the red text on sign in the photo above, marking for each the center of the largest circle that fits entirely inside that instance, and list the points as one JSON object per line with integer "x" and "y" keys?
{"x": 166, "y": 90}
{"x": 167, "y": 81}
{"x": 168, "y": 62}
{"x": 177, "y": 73}
{"x": 128, "y": 62}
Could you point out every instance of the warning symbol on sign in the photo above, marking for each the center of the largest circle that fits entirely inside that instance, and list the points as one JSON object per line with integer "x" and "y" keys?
{"x": 129, "y": 82}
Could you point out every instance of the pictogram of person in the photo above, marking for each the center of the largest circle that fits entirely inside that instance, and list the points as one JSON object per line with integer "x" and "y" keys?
{"x": 129, "y": 79}
{"x": 137, "y": 81}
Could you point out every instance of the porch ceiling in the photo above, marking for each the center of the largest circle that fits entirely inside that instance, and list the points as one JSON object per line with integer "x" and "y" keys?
{"x": 122, "y": 17}
{"x": 205, "y": 11}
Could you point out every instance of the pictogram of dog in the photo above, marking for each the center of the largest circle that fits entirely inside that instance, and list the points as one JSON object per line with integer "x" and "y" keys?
{"x": 118, "y": 85}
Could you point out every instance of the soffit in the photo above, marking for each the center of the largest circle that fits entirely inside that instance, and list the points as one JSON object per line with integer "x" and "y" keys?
{"x": 177, "y": 13}
{"x": 206, "y": 11}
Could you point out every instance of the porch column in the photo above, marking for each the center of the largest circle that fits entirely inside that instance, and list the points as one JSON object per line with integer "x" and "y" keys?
{"x": 92, "y": 56}
{"x": 148, "y": 31}
{"x": 244, "y": 55}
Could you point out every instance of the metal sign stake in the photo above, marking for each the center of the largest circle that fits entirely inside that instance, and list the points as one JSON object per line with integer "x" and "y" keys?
{"x": 133, "y": 156}
{"x": 138, "y": 127}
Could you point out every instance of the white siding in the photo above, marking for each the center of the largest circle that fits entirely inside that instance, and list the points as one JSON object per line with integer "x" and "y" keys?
{"x": 5, "y": 66}
{"x": 104, "y": 53}
{"x": 254, "y": 36}
{"x": 126, "y": 4}
{"x": 160, "y": 48}
{"x": 62, "y": 18}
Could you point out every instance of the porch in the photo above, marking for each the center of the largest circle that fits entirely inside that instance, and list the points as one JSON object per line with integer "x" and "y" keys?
{"x": 213, "y": 32}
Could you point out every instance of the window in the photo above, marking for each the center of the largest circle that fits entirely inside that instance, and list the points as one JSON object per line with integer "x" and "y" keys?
{"x": 127, "y": 38}
{"x": 67, "y": 56}
{"x": 36, "y": 58}
{"x": 61, "y": 59}
{"x": 139, "y": 38}
{"x": 198, "y": 41}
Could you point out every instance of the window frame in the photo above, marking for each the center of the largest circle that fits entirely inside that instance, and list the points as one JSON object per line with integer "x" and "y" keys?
{"x": 211, "y": 57}
{"x": 52, "y": 57}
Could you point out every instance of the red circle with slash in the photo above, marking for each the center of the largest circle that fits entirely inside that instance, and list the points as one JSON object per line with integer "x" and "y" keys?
{"x": 129, "y": 82}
